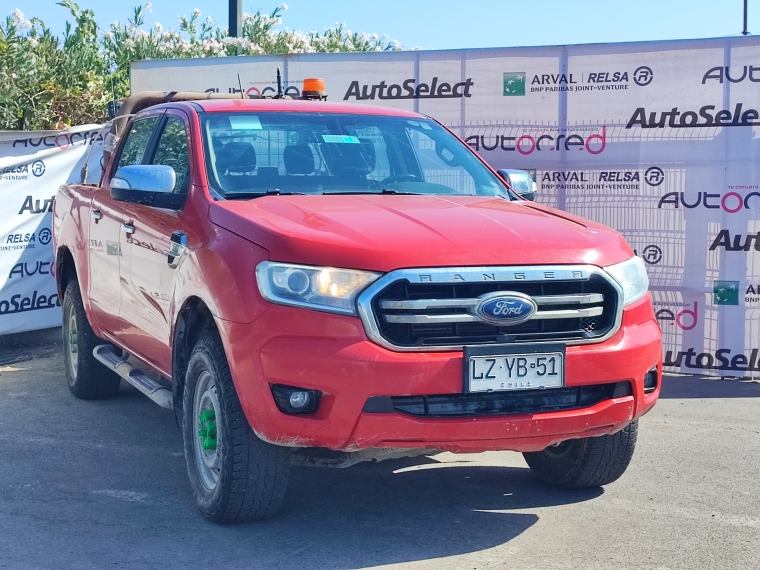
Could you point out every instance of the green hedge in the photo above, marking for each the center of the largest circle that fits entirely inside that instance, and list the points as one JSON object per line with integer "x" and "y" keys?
{"x": 50, "y": 82}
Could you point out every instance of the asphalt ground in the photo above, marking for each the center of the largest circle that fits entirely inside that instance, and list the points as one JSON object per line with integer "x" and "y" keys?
{"x": 104, "y": 485}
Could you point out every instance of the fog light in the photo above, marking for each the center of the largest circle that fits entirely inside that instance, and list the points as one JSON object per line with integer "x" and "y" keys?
{"x": 651, "y": 380}
{"x": 292, "y": 400}
{"x": 299, "y": 399}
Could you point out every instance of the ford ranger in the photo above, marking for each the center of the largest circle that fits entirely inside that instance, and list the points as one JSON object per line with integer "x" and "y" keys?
{"x": 306, "y": 282}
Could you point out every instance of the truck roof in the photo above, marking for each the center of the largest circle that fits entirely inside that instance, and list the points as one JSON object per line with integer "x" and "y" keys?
{"x": 297, "y": 106}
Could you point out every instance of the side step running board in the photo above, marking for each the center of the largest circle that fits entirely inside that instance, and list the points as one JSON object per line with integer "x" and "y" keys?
{"x": 105, "y": 354}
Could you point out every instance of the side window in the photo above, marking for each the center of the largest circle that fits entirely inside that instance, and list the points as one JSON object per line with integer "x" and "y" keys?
{"x": 172, "y": 151}
{"x": 138, "y": 137}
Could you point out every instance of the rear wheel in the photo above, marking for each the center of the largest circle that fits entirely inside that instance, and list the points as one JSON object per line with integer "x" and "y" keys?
{"x": 87, "y": 378}
{"x": 235, "y": 476}
{"x": 585, "y": 463}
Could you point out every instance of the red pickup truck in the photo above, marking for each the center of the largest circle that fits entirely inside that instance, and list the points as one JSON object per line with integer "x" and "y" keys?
{"x": 320, "y": 283}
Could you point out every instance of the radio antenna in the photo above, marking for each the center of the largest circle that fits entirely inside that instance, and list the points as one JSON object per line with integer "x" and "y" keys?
{"x": 279, "y": 84}
{"x": 240, "y": 84}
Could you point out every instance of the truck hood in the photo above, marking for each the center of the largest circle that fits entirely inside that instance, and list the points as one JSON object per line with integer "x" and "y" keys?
{"x": 384, "y": 232}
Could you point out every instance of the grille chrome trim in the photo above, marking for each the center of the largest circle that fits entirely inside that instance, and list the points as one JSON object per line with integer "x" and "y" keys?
{"x": 588, "y": 299}
{"x": 465, "y": 318}
{"x": 500, "y": 274}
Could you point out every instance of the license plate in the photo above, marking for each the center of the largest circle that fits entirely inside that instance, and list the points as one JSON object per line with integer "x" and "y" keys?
{"x": 514, "y": 370}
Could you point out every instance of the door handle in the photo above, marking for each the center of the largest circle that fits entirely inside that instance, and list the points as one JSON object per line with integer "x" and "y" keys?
{"x": 96, "y": 214}
{"x": 128, "y": 229}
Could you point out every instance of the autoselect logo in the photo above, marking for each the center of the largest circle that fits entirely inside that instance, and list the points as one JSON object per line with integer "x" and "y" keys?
{"x": 707, "y": 116}
{"x": 730, "y": 202}
{"x": 719, "y": 74}
{"x": 514, "y": 84}
{"x": 721, "y": 359}
{"x": 726, "y": 292}
{"x": 32, "y": 206}
{"x": 591, "y": 139}
{"x": 410, "y": 89}
{"x": 22, "y": 303}
{"x": 739, "y": 242}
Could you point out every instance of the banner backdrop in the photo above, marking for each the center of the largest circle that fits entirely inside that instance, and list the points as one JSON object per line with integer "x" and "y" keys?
{"x": 658, "y": 140}
{"x": 32, "y": 167}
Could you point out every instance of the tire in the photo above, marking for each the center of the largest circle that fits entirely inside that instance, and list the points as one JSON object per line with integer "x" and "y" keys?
{"x": 87, "y": 378}
{"x": 585, "y": 463}
{"x": 237, "y": 477}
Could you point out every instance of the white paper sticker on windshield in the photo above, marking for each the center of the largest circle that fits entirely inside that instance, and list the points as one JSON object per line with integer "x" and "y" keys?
{"x": 341, "y": 139}
{"x": 245, "y": 122}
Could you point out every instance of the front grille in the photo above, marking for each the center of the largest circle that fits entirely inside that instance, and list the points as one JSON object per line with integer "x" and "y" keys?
{"x": 499, "y": 403}
{"x": 419, "y": 316}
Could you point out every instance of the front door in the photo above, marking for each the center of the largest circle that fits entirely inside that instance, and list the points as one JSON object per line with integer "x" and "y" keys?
{"x": 147, "y": 271}
{"x": 106, "y": 216}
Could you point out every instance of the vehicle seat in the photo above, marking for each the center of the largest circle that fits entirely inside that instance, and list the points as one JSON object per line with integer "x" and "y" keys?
{"x": 349, "y": 162}
{"x": 298, "y": 159}
{"x": 236, "y": 163}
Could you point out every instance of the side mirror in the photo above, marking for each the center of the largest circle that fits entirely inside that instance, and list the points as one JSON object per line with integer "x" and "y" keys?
{"x": 148, "y": 185}
{"x": 521, "y": 182}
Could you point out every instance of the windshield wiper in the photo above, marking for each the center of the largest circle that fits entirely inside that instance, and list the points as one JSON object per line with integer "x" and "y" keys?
{"x": 250, "y": 195}
{"x": 375, "y": 193}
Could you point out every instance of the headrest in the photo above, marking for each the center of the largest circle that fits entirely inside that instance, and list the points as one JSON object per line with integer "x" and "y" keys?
{"x": 298, "y": 159}
{"x": 350, "y": 158}
{"x": 236, "y": 157}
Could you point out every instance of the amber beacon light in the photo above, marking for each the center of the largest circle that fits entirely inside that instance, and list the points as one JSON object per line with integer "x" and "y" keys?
{"x": 314, "y": 88}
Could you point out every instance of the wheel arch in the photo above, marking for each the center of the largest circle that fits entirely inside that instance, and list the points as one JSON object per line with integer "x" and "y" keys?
{"x": 193, "y": 320}
{"x": 65, "y": 269}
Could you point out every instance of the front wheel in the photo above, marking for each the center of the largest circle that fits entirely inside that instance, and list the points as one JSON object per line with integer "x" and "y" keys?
{"x": 235, "y": 476}
{"x": 585, "y": 463}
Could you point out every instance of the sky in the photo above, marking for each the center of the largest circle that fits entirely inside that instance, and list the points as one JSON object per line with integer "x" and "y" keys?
{"x": 450, "y": 24}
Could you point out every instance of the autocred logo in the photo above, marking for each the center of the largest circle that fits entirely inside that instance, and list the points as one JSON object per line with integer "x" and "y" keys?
{"x": 686, "y": 319}
{"x": 591, "y": 139}
{"x": 730, "y": 202}
{"x": 410, "y": 89}
{"x": 726, "y": 292}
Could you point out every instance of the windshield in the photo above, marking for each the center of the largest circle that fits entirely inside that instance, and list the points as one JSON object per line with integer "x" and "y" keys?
{"x": 310, "y": 153}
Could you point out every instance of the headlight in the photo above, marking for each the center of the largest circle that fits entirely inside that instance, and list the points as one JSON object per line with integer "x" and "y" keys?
{"x": 321, "y": 288}
{"x": 632, "y": 276}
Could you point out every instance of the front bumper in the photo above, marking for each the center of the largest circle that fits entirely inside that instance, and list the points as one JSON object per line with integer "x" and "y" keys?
{"x": 331, "y": 353}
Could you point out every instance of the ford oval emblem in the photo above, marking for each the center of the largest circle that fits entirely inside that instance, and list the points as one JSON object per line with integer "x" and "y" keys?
{"x": 504, "y": 308}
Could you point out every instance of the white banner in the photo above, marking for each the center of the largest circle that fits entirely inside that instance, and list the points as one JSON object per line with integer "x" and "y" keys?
{"x": 32, "y": 167}
{"x": 658, "y": 140}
